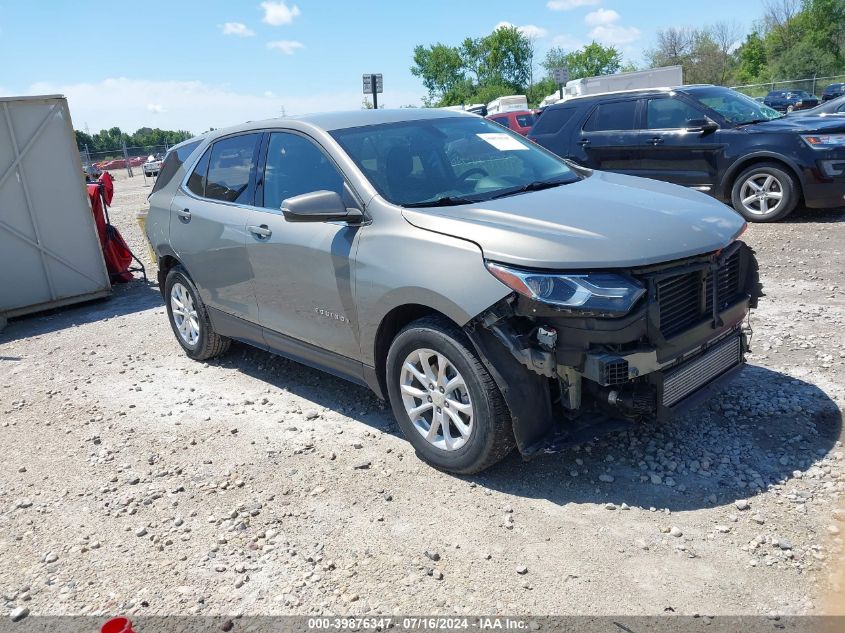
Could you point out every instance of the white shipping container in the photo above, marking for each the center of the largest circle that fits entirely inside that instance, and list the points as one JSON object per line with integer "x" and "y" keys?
{"x": 50, "y": 254}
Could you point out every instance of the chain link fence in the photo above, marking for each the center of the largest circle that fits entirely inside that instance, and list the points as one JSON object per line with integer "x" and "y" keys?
{"x": 131, "y": 159}
{"x": 813, "y": 85}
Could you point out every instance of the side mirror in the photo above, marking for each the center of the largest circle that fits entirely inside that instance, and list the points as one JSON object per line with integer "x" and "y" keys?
{"x": 318, "y": 206}
{"x": 703, "y": 125}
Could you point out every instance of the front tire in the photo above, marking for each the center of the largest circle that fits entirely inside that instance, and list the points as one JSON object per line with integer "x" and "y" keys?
{"x": 189, "y": 318}
{"x": 446, "y": 402}
{"x": 765, "y": 192}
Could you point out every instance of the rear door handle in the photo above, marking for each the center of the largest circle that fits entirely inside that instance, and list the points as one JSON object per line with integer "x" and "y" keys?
{"x": 185, "y": 214}
{"x": 656, "y": 140}
{"x": 261, "y": 232}
{"x": 583, "y": 142}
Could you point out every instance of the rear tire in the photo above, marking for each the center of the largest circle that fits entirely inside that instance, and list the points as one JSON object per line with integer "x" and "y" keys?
{"x": 765, "y": 192}
{"x": 461, "y": 423}
{"x": 189, "y": 318}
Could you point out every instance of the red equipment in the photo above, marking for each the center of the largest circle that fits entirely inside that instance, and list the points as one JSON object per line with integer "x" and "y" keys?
{"x": 117, "y": 254}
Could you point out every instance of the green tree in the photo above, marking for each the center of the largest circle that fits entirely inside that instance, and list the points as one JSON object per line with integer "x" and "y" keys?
{"x": 752, "y": 59}
{"x": 590, "y": 61}
{"x": 440, "y": 67}
{"x": 501, "y": 61}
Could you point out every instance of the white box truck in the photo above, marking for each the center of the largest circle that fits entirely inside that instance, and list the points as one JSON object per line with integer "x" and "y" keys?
{"x": 511, "y": 103}
{"x": 664, "y": 77}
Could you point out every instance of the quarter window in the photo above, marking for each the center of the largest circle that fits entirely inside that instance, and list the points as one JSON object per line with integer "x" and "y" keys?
{"x": 617, "y": 115}
{"x": 196, "y": 183}
{"x": 667, "y": 114}
{"x": 172, "y": 162}
{"x": 295, "y": 165}
{"x": 503, "y": 120}
{"x": 230, "y": 167}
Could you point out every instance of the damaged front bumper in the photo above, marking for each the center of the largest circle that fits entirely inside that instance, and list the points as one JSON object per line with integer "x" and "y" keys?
{"x": 568, "y": 379}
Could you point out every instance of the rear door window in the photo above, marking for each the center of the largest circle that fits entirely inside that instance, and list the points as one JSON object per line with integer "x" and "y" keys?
{"x": 230, "y": 169}
{"x": 502, "y": 120}
{"x": 612, "y": 116}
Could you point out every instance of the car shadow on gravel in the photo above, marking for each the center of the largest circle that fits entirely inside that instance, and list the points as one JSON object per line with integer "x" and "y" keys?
{"x": 135, "y": 296}
{"x": 805, "y": 215}
{"x": 324, "y": 390}
{"x": 762, "y": 430}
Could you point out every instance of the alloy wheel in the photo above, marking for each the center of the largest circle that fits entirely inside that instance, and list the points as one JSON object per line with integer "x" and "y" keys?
{"x": 436, "y": 399}
{"x": 761, "y": 194}
{"x": 184, "y": 314}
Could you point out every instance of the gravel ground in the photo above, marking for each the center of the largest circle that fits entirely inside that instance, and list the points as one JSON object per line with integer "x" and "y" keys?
{"x": 136, "y": 481}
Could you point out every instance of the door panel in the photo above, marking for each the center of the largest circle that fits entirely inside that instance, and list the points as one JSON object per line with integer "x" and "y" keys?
{"x": 608, "y": 138}
{"x": 303, "y": 271}
{"x": 672, "y": 153}
{"x": 209, "y": 235}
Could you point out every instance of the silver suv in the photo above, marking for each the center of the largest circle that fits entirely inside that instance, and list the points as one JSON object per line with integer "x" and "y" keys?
{"x": 495, "y": 294}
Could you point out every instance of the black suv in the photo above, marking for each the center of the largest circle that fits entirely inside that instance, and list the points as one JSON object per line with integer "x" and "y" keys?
{"x": 833, "y": 91}
{"x": 709, "y": 138}
{"x": 790, "y": 100}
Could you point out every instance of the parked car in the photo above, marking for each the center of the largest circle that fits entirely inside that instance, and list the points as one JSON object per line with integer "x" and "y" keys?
{"x": 519, "y": 121}
{"x": 833, "y": 91}
{"x": 789, "y": 100}
{"x": 496, "y": 295}
{"x": 832, "y": 107}
{"x": 152, "y": 166}
{"x": 708, "y": 138}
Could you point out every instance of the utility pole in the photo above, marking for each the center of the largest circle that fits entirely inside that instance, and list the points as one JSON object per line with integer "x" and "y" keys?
{"x": 126, "y": 158}
{"x": 373, "y": 86}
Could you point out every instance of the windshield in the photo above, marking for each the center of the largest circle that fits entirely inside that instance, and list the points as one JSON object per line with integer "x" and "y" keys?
{"x": 735, "y": 106}
{"x": 449, "y": 161}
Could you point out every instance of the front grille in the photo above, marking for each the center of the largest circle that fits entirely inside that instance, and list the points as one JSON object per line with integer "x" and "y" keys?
{"x": 682, "y": 381}
{"x": 686, "y": 299}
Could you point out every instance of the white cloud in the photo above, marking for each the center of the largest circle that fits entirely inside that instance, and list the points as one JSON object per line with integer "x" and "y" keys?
{"x": 191, "y": 105}
{"x": 529, "y": 30}
{"x": 237, "y": 28}
{"x": 601, "y": 16}
{"x": 278, "y": 13}
{"x": 288, "y": 47}
{"x": 567, "y": 5}
{"x": 614, "y": 34}
{"x": 567, "y": 41}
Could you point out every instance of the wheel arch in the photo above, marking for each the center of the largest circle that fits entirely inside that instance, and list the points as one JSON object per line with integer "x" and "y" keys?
{"x": 167, "y": 259}
{"x": 389, "y": 326}
{"x": 757, "y": 158}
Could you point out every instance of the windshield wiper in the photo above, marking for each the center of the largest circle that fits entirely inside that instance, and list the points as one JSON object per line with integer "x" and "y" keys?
{"x": 536, "y": 185}
{"x": 752, "y": 121}
{"x": 445, "y": 201}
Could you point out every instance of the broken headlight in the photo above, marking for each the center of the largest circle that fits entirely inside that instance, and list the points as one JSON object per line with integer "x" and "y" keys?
{"x": 592, "y": 294}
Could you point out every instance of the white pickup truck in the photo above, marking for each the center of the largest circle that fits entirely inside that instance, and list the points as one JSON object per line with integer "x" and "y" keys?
{"x": 152, "y": 166}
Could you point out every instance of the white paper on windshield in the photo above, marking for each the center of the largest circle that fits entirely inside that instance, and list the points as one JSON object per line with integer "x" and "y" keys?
{"x": 501, "y": 141}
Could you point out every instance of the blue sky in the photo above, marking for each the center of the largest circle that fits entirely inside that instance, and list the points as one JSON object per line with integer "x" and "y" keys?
{"x": 196, "y": 64}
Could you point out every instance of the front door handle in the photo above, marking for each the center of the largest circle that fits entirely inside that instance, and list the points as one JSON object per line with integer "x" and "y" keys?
{"x": 261, "y": 232}
{"x": 656, "y": 140}
{"x": 184, "y": 215}
{"x": 583, "y": 142}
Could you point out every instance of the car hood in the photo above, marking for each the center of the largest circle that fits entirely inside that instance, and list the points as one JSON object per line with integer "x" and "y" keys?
{"x": 797, "y": 122}
{"x": 603, "y": 221}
